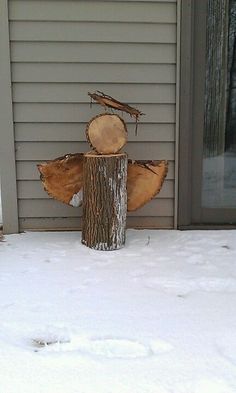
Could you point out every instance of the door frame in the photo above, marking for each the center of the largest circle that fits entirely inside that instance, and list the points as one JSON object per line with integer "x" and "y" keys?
{"x": 191, "y": 126}
{"x": 7, "y": 146}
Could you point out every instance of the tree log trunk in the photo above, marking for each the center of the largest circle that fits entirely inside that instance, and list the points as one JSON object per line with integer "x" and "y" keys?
{"x": 105, "y": 201}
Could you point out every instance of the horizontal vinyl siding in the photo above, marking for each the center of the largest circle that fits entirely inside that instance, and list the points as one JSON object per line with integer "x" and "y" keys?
{"x": 46, "y": 150}
{"x": 32, "y": 208}
{"x": 61, "y": 50}
{"x": 93, "y": 11}
{"x": 73, "y": 52}
{"x": 73, "y": 113}
{"x": 29, "y": 189}
{"x": 93, "y": 32}
{"x": 78, "y": 92}
{"x": 60, "y": 223}
{"x": 74, "y": 132}
{"x": 27, "y": 170}
{"x": 93, "y": 73}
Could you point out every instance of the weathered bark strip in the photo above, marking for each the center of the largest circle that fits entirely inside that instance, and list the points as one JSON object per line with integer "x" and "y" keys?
{"x": 62, "y": 178}
{"x": 144, "y": 181}
{"x": 109, "y": 102}
{"x": 105, "y": 201}
{"x": 106, "y": 133}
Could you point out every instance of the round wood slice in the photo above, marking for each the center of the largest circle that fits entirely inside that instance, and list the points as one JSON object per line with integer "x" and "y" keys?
{"x": 144, "y": 181}
{"x": 105, "y": 201}
{"x": 106, "y": 133}
{"x": 62, "y": 178}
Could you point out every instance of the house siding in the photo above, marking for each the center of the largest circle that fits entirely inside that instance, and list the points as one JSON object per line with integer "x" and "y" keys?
{"x": 60, "y": 50}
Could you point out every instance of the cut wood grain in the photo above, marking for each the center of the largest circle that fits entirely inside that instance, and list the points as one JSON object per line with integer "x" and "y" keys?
{"x": 62, "y": 178}
{"x": 144, "y": 181}
{"x": 106, "y": 133}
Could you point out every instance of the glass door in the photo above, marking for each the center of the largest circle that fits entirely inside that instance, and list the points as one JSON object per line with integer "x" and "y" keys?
{"x": 207, "y": 144}
{"x": 219, "y": 139}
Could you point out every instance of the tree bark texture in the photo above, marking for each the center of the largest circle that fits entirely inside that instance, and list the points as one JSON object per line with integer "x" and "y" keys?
{"x": 105, "y": 201}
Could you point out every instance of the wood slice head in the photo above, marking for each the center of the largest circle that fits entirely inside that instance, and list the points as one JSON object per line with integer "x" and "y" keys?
{"x": 144, "y": 181}
{"x": 106, "y": 133}
{"x": 62, "y": 178}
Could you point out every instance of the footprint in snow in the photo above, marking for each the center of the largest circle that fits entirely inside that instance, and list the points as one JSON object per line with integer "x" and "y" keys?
{"x": 105, "y": 347}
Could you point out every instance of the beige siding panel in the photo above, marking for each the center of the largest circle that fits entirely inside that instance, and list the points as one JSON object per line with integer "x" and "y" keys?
{"x": 93, "y": 32}
{"x": 60, "y": 50}
{"x": 27, "y": 170}
{"x": 51, "y": 224}
{"x": 93, "y": 73}
{"x": 75, "y": 223}
{"x": 49, "y": 150}
{"x": 150, "y": 222}
{"x": 34, "y": 190}
{"x": 87, "y": 52}
{"x": 78, "y": 92}
{"x": 73, "y": 113}
{"x": 48, "y": 132}
{"x": 50, "y": 208}
{"x": 95, "y": 11}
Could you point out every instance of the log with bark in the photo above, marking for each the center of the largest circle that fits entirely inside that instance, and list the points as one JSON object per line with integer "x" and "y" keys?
{"x": 106, "y": 133}
{"x": 105, "y": 201}
{"x": 63, "y": 180}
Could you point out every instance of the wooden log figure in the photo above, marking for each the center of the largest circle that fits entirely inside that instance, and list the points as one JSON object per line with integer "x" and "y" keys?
{"x": 110, "y": 184}
{"x": 106, "y": 133}
{"x": 105, "y": 201}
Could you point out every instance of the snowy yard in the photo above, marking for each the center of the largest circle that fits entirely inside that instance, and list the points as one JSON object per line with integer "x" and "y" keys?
{"x": 158, "y": 316}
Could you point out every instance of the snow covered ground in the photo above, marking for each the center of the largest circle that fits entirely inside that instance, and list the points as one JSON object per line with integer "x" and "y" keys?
{"x": 157, "y": 316}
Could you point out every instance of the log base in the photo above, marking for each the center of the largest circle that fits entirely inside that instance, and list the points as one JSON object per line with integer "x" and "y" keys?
{"x": 105, "y": 201}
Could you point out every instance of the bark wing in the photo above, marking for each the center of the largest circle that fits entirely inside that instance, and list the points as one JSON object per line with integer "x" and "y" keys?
{"x": 62, "y": 178}
{"x": 144, "y": 181}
